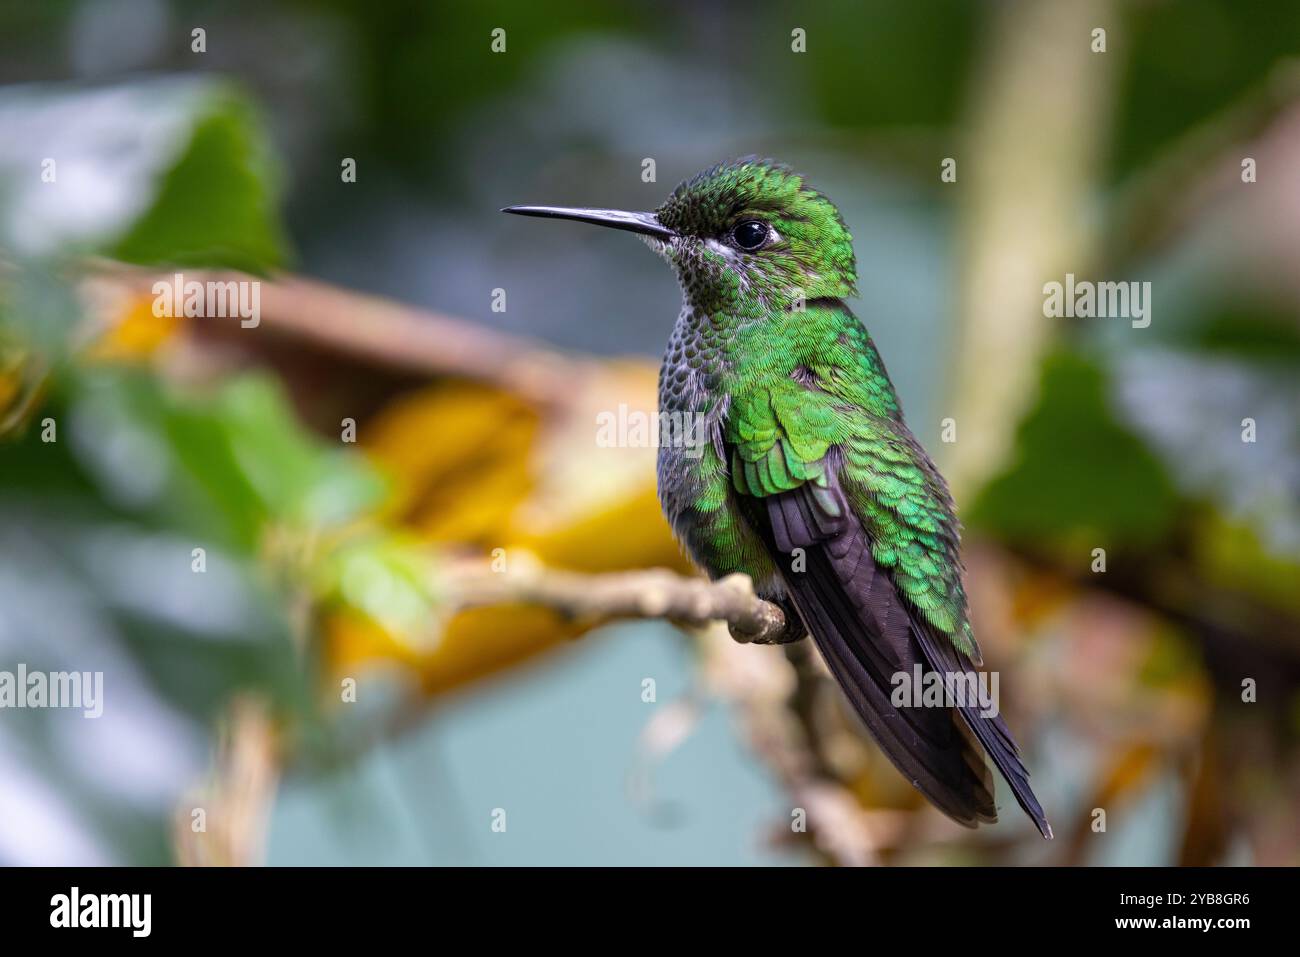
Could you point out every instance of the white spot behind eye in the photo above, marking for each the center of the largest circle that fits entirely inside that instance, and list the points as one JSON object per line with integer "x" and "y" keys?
{"x": 722, "y": 249}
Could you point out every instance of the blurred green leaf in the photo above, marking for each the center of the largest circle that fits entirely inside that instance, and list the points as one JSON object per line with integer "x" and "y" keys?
{"x": 1055, "y": 490}
{"x": 217, "y": 206}
{"x": 915, "y": 74}
{"x": 1166, "y": 92}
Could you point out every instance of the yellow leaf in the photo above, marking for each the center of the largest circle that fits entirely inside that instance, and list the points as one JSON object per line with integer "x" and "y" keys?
{"x": 134, "y": 333}
{"x": 479, "y": 469}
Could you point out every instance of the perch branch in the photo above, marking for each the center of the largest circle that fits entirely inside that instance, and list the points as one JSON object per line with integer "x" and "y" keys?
{"x": 653, "y": 593}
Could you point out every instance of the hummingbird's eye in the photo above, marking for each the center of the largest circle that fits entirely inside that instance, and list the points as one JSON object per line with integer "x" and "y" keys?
{"x": 751, "y": 234}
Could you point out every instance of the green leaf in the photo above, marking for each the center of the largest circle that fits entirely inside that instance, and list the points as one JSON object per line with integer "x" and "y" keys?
{"x": 1079, "y": 473}
{"x": 216, "y": 207}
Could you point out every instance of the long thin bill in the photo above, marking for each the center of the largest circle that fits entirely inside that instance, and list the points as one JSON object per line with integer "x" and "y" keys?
{"x": 646, "y": 223}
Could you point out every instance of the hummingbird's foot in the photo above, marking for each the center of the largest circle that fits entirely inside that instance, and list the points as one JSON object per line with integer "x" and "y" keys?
{"x": 793, "y": 631}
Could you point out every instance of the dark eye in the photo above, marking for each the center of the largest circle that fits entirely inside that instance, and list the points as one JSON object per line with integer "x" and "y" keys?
{"x": 750, "y": 235}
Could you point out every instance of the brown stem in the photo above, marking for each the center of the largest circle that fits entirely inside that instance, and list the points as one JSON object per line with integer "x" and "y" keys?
{"x": 373, "y": 329}
{"x": 654, "y": 593}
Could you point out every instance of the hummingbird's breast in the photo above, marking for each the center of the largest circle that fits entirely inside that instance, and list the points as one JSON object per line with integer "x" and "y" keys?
{"x": 689, "y": 382}
{"x": 693, "y": 363}
{"x": 694, "y": 481}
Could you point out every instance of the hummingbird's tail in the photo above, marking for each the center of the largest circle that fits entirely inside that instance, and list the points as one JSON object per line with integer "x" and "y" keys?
{"x": 868, "y": 634}
{"x": 925, "y": 744}
{"x": 991, "y": 731}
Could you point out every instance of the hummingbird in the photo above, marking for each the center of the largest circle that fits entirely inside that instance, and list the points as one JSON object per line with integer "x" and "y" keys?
{"x": 808, "y": 479}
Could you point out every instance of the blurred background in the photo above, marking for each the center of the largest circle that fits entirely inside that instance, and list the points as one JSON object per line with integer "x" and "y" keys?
{"x": 334, "y": 680}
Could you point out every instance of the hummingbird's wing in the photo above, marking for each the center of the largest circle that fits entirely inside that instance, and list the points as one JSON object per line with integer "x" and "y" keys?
{"x": 789, "y": 457}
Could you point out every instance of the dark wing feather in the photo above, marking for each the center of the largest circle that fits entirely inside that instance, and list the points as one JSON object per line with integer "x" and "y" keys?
{"x": 867, "y": 633}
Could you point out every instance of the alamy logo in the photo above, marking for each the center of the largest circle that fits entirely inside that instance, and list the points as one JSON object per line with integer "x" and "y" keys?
{"x": 53, "y": 689}
{"x": 1085, "y": 299}
{"x": 214, "y": 299}
{"x": 103, "y": 910}
{"x": 952, "y": 689}
{"x": 629, "y": 428}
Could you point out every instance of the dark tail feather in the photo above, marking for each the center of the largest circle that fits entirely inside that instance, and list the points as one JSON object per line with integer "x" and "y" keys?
{"x": 992, "y": 732}
{"x": 931, "y": 753}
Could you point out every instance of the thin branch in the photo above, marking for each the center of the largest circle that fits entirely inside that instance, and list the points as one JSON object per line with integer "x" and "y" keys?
{"x": 224, "y": 822}
{"x": 653, "y": 593}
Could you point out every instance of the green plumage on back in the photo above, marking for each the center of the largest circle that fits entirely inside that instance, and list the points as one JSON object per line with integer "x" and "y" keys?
{"x": 816, "y": 383}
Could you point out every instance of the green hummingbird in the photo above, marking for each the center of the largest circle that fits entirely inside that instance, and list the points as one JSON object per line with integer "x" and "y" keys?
{"x": 808, "y": 479}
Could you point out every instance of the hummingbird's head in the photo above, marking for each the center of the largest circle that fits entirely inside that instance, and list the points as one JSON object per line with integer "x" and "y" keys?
{"x": 749, "y": 235}
{"x": 753, "y": 229}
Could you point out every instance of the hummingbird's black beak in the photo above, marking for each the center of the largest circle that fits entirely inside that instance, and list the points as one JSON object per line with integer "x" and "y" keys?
{"x": 645, "y": 223}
